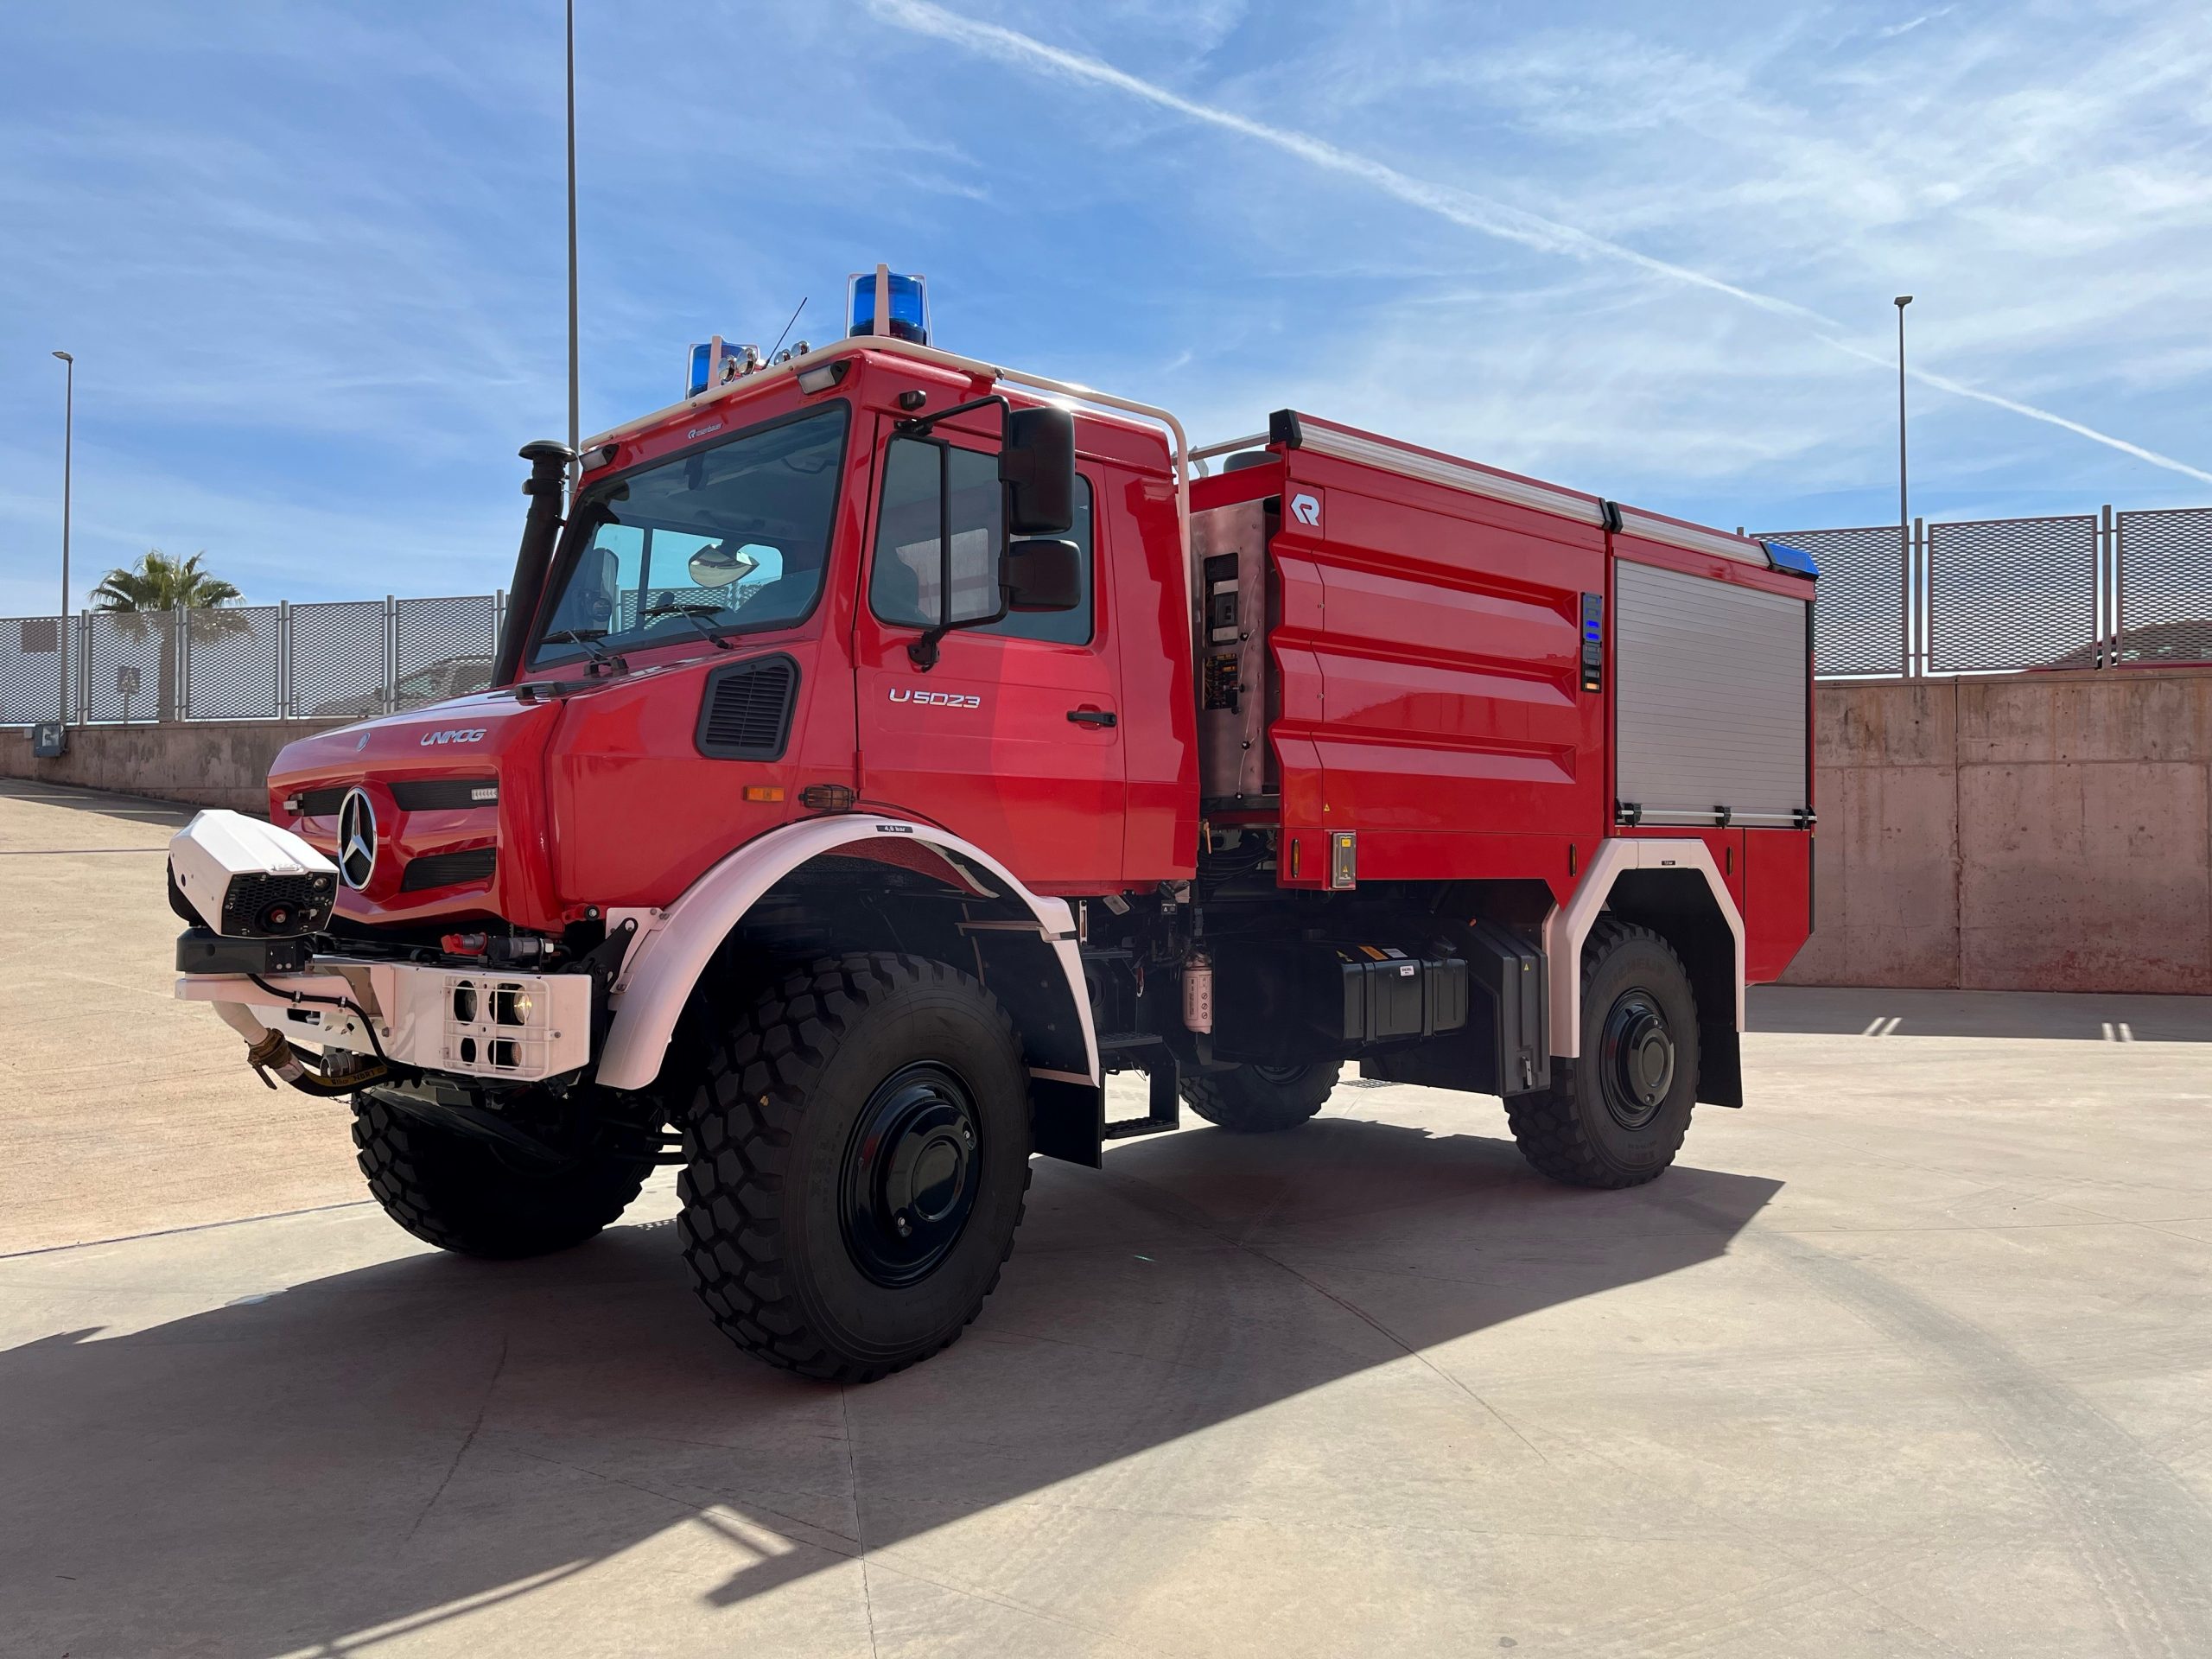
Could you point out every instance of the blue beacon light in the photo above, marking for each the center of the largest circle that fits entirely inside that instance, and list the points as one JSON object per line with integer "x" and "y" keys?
{"x": 717, "y": 363}
{"x": 909, "y": 307}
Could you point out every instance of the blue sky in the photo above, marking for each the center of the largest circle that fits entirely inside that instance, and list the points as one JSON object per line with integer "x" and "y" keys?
{"x": 310, "y": 257}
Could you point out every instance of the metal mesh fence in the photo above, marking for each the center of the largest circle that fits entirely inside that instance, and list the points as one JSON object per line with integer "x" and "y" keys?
{"x": 33, "y": 669}
{"x": 2010, "y": 594}
{"x": 231, "y": 665}
{"x": 338, "y": 660}
{"x": 131, "y": 663}
{"x": 2162, "y": 584}
{"x": 1859, "y": 604}
{"x": 443, "y": 648}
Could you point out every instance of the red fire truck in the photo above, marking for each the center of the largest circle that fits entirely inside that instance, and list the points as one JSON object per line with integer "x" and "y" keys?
{"x": 886, "y": 747}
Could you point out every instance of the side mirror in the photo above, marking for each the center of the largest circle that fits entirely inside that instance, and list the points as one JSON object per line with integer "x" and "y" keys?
{"x": 1044, "y": 575}
{"x": 1037, "y": 466}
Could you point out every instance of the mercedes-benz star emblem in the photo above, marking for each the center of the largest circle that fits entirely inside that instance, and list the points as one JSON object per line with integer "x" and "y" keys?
{"x": 357, "y": 839}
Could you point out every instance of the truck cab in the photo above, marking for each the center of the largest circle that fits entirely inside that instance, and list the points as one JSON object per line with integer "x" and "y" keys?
{"x": 886, "y": 747}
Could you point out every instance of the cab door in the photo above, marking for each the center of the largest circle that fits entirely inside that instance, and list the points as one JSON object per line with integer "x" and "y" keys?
{"x": 1013, "y": 739}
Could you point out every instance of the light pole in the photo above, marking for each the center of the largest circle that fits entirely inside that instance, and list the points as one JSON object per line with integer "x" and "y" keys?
{"x": 1904, "y": 518}
{"x": 575, "y": 467}
{"x": 68, "y": 442}
{"x": 68, "y": 423}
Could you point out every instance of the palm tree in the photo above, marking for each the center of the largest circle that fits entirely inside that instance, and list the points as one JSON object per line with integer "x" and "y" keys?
{"x": 156, "y": 584}
{"x": 162, "y": 583}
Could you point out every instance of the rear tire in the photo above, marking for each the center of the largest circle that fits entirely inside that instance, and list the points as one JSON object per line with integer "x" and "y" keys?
{"x": 1261, "y": 1099}
{"x": 858, "y": 1157}
{"x": 1617, "y": 1116}
{"x": 474, "y": 1197}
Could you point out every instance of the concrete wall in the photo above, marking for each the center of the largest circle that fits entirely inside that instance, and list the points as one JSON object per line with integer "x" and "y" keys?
{"x": 202, "y": 763}
{"x": 2048, "y": 832}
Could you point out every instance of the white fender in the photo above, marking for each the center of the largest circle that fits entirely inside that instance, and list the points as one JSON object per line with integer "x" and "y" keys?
{"x": 674, "y": 945}
{"x": 1569, "y": 924}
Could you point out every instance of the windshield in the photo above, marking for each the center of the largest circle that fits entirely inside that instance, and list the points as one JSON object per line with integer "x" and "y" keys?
{"x": 729, "y": 539}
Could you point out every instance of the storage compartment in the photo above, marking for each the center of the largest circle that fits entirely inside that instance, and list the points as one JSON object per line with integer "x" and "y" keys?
{"x": 1229, "y": 556}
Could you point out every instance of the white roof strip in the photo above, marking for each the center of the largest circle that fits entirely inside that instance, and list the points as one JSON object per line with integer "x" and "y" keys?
{"x": 1716, "y": 541}
{"x": 1544, "y": 498}
{"x": 1452, "y": 474}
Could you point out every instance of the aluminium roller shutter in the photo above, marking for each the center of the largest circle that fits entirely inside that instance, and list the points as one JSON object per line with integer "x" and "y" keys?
{"x": 1710, "y": 698}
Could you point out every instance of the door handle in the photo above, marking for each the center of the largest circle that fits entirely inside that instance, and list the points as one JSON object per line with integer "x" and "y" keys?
{"x": 1092, "y": 717}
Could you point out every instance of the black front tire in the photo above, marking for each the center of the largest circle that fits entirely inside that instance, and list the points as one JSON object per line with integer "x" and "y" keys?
{"x": 1616, "y": 1117}
{"x": 857, "y": 1146}
{"x": 1261, "y": 1099}
{"x": 473, "y": 1196}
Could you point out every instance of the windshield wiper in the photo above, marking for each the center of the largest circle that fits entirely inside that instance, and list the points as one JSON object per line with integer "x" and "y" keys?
{"x": 603, "y": 661}
{"x": 691, "y": 613}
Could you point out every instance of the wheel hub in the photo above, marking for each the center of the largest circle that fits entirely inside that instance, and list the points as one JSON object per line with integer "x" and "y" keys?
{"x": 911, "y": 1174}
{"x": 1638, "y": 1064}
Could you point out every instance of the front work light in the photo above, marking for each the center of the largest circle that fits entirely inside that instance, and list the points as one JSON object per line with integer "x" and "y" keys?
{"x": 909, "y": 304}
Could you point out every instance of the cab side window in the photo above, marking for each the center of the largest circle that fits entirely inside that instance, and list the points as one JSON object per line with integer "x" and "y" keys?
{"x": 903, "y": 584}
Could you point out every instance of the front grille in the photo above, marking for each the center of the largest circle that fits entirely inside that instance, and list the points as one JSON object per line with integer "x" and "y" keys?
{"x": 411, "y": 794}
{"x": 747, "y": 713}
{"x": 449, "y": 869}
{"x": 444, "y": 794}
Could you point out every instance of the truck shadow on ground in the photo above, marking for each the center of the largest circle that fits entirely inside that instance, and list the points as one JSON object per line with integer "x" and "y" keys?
{"x": 366, "y": 1450}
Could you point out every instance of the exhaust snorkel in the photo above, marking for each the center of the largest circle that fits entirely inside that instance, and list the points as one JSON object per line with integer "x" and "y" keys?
{"x": 541, "y": 529}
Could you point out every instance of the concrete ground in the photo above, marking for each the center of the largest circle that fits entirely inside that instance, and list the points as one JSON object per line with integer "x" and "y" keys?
{"x": 1912, "y": 1357}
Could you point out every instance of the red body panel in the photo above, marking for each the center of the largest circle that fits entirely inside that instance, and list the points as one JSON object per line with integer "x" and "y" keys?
{"x": 1777, "y": 901}
{"x": 1428, "y": 655}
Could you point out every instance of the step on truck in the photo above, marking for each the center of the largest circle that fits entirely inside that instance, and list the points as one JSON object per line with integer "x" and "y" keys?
{"x": 885, "y": 747}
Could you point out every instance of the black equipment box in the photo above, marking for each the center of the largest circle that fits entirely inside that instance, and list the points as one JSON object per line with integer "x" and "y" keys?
{"x": 1503, "y": 1047}
{"x": 202, "y": 950}
{"x": 1386, "y": 993}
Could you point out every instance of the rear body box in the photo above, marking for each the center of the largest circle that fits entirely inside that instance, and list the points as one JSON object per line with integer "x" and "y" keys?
{"x": 1482, "y": 676}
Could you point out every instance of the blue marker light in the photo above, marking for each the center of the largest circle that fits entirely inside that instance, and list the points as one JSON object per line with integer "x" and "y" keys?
{"x": 1796, "y": 560}
{"x": 909, "y": 307}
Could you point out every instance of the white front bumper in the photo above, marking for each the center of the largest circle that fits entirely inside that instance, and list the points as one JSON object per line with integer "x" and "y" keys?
{"x": 473, "y": 1022}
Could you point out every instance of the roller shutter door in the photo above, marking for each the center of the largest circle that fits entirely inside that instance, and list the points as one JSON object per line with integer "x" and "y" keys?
{"x": 1710, "y": 698}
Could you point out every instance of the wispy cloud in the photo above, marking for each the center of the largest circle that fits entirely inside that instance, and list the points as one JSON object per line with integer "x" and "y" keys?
{"x": 1467, "y": 209}
{"x": 1890, "y": 31}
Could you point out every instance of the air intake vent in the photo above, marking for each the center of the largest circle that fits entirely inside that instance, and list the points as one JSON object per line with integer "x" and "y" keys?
{"x": 747, "y": 713}
{"x": 449, "y": 869}
{"x": 322, "y": 802}
{"x": 441, "y": 794}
